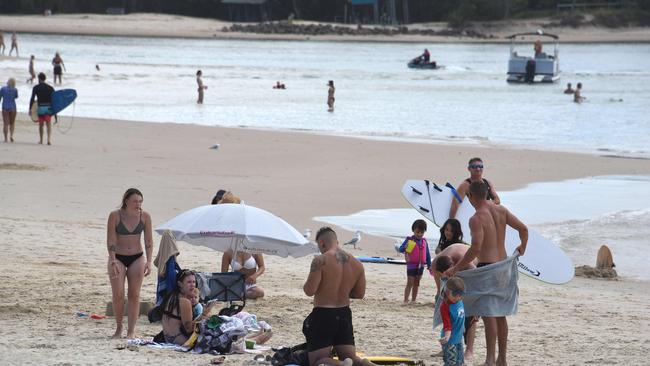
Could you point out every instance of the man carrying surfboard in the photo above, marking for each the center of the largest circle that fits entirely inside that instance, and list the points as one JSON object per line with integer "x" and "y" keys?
{"x": 488, "y": 231}
{"x": 475, "y": 168}
{"x": 43, "y": 93}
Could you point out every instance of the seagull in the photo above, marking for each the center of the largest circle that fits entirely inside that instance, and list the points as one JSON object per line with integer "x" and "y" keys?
{"x": 307, "y": 234}
{"x": 355, "y": 240}
{"x": 215, "y": 147}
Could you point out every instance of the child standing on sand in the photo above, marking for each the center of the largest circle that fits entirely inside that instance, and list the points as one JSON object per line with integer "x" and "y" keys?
{"x": 416, "y": 251}
{"x": 452, "y": 312}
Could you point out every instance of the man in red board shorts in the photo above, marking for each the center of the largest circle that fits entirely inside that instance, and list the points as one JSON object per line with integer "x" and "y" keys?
{"x": 43, "y": 93}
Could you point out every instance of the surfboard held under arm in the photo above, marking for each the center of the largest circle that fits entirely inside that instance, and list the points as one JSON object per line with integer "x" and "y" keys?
{"x": 543, "y": 260}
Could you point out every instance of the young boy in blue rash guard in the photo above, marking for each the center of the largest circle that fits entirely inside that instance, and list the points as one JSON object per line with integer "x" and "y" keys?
{"x": 452, "y": 312}
{"x": 416, "y": 250}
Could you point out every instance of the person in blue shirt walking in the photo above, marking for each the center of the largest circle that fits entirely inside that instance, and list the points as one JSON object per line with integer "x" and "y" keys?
{"x": 452, "y": 312}
{"x": 9, "y": 94}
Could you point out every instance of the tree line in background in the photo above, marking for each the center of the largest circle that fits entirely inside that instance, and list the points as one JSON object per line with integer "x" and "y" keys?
{"x": 456, "y": 12}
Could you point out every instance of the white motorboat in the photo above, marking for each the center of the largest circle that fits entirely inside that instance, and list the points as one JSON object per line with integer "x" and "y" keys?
{"x": 538, "y": 68}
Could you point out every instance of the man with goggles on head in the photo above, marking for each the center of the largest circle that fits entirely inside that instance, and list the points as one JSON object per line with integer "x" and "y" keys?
{"x": 475, "y": 168}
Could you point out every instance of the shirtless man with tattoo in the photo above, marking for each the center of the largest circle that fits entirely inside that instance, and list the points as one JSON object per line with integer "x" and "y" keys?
{"x": 488, "y": 229}
{"x": 335, "y": 277}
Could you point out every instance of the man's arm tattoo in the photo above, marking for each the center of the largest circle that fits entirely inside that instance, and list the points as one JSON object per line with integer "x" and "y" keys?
{"x": 317, "y": 264}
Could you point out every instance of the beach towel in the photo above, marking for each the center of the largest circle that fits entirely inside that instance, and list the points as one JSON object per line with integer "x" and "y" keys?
{"x": 490, "y": 291}
{"x": 166, "y": 250}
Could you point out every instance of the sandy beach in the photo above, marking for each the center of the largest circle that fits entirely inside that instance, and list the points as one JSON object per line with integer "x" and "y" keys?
{"x": 56, "y": 199}
{"x": 163, "y": 25}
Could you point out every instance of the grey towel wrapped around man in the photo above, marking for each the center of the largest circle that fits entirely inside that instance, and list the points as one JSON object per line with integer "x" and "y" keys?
{"x": 490, "y": 291}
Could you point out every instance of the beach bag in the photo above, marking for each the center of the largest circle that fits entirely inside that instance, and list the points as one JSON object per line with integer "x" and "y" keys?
{"x": 296, "y": 355}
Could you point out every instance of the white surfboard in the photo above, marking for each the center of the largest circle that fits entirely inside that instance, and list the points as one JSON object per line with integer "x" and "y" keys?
{"x": 543, "y": 260}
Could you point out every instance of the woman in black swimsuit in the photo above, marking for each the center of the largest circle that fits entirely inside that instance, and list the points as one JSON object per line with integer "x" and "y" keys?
{"x": 177, "y": 309}
{"x": 59, "y": 66}
{"x": 125, "y": 257}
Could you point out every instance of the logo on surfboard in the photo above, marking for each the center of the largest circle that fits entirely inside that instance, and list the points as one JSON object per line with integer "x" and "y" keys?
{"x": 532, "y": 273}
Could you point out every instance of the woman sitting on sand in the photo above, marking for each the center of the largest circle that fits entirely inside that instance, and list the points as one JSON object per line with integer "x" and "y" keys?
{"x": 177, "y": 309}
{"x": 250, "y": 265}
{"x": 125, "y": 258}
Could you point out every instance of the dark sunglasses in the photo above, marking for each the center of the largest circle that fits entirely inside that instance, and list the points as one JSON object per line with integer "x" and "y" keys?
{"x": 184, "y": 273}
{"x": 475, "y": 166}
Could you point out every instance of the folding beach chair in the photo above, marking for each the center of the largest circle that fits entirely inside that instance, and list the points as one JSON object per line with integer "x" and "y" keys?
{"x": 227, "y": 287}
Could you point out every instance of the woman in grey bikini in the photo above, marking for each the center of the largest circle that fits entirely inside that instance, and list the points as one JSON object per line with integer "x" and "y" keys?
{"x": 125, "y": 257}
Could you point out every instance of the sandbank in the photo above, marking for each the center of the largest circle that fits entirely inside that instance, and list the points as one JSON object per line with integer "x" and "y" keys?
{"x": 165, "y": 25}
{"x": 55, "y": 201}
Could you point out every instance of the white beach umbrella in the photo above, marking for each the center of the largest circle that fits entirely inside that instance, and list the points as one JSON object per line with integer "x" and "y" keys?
{"x": 238, "y": 227}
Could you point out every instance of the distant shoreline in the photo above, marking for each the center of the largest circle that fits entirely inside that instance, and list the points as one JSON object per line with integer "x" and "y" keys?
{"x": 171, "y": 26}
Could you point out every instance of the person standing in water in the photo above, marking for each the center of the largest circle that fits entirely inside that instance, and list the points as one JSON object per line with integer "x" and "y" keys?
{"x": 14, "y": 44}
{"x": 59, "y": 66}
{"x": 330, "y": 96}
{"x": 199, "y": 82}
{"x": 32, "y": 72}
{"x": 577, "y": 95}
{"x": 2, "y": 43}
{"x": 569, "y": 89}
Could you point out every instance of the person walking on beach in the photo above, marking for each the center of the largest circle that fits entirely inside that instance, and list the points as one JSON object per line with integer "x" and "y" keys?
{"x": 335, "y": 277}
{"x": 488, "y": 231}
{"x": 2, "y": 43}
{"x": 452, "y": 312}
{"x": 416, "y": 250}
{"x": 577, "y": 95}
{"x": 125, "y": 258}
{"x": 9, "y": 94}
{"x": 14, "y": 44}
{"x": 32, "y": 71}
{"x": 475, "y": 168}
{"x": 330, "y": 96}
{"x": 43, "y": 94}
{"x": 199, "y": 82}
{"x": 58, "y": 67}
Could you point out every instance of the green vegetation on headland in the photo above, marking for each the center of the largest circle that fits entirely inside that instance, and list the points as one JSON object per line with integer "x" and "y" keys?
{"x": 458, "y": 13}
